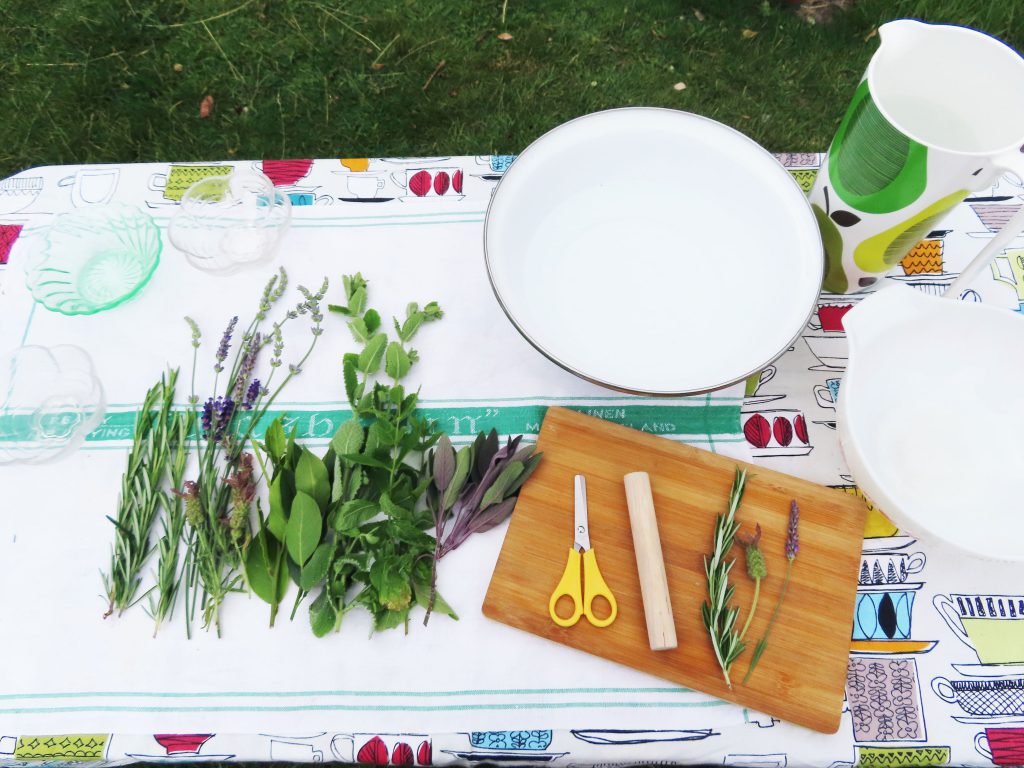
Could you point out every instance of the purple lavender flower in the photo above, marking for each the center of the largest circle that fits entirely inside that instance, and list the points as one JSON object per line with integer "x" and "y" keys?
{"x": 216, "y": 417}
{"x": 224, "y": 413}
{"x": 793, "y": 534}
{"x": 207, "y": 418}
{"x": 225, "y": 344}
{"x": 251, "y": 395}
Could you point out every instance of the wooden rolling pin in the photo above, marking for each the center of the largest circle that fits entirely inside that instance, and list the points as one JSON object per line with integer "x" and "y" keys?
{"x": 661, "y": 629}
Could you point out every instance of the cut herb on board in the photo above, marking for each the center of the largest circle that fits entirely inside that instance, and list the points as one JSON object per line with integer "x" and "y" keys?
{"x": 792, "y": 548}
{"x": 718, "y": 614}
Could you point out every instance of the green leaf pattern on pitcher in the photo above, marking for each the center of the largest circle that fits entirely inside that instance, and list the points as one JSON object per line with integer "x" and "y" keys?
{"x": 873, "y": 166}
{"x": 835, "y": 277}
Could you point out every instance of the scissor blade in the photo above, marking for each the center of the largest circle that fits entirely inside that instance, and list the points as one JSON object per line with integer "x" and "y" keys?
{"x": 582, "y": 541}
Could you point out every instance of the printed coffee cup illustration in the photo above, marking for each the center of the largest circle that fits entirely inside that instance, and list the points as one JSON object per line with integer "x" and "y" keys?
{"x": 294, "y": 752}
{"x": 1009, "y": 269}
{"x": 365, "y": 187}
{"x": 828, "y": 395}
{"x": 828, "y": 317}
{"x": 92, "y": 186}
{"x": 179, "y": 178}
{"x": 890, "y": 567}
{"x": 1003, "y": 746}
{"x": 752, "y": 388}
{"x": 19, "y": 192}
{"x": 884, "y": 613}
{"x": 985, "y": 698}
{"x": 284, "y": 173}
{"x": 991, "y": 625}
{"x": 832, "y": 351}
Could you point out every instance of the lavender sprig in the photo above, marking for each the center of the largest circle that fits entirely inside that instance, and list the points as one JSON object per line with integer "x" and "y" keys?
{"x": 225, "y": 345}
{"x": 792, "y": 548}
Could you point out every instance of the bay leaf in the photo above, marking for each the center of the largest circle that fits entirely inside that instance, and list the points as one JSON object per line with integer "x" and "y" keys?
{"x": 305, "y": 524}
{"x": 311, "y": 478}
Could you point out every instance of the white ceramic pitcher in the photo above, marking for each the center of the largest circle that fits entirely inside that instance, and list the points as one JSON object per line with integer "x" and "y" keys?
{"x": 940, "y": 112}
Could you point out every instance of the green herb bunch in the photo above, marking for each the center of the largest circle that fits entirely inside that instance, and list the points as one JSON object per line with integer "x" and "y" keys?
{"x": 157, "y": 432}
{"x": 351, "y": 526}
{"x": 218, "y": 503}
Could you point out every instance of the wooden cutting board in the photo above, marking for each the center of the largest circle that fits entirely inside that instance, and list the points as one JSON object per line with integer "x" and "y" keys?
{"x": 800, "y": 677}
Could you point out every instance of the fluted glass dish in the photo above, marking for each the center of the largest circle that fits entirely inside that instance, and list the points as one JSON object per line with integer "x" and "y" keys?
{"x": 94, "y": 259}
{"x": 50, "y": 399}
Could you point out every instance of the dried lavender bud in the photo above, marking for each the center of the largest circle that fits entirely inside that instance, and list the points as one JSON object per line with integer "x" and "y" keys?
{"x": 207, "y": 417}
{"x": 193, "y": 507}
{"x": 793, "y": 534}
{"x": 225, "y": 410}
{"x": 282, "y": 284}
{"x": 247, "y": 367}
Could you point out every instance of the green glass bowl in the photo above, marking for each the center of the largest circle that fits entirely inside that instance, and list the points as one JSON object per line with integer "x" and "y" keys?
{"x": 95, "y": 259}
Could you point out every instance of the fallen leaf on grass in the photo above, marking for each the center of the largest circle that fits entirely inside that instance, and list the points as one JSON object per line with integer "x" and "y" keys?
{"x": 748, "y": 34}
{"x": 504, "y": 36}
{"x": 206, "y": 106}
{"x": 679, "y": 87}
{"x": 698, "y": 14}
{"x": 377, "y": 66}
{"x": 872, "y": 33}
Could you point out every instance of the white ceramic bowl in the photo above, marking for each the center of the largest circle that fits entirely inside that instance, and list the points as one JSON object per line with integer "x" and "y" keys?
{"x": 653, "y": 251}
{"x": 931, "y": 418}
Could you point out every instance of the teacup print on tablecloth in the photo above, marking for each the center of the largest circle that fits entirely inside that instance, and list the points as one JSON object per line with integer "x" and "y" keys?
{"x": 890, "y": 567}
{"x": 990, "y": 625}
{"x": 19, "y": 192}
{"x": 883, "y": 612}
{"x": 1003, "y": 746}
{"x": 996, "y": 698}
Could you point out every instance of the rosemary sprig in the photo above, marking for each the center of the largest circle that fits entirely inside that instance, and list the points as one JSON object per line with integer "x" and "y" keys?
{"x": 140, "y": 497}
{"x": 168, "y": 579}
{"x": 718, "y": 615}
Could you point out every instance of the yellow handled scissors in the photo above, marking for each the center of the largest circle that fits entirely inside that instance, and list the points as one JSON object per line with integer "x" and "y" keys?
{"x": 582, "y": 589}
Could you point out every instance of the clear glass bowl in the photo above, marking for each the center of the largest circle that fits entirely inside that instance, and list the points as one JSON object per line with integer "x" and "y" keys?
{"x": 94, "y": 259}
{"x": 227, "y": 223}
{"x": 50, "y": 399}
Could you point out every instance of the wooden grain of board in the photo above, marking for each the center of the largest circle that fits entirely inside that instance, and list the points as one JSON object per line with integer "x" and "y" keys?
{"x": 801, "y": 676}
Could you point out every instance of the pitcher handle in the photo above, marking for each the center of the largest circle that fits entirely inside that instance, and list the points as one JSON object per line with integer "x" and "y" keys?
{"x": 940, "y": 686}
{"x": 1012, "y": 161}
{"x": 767, "y": 374}
{"x": 951, "y": 616}
{"x": 400, "y": 182}
{"x": 158, "y": 181}
{"x": 984, "y": 751}
{"x": 916, "y": 562}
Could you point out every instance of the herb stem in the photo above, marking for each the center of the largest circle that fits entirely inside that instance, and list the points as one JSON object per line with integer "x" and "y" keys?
{"x": 753, "y": 607}
{"x": 763, "y": 642}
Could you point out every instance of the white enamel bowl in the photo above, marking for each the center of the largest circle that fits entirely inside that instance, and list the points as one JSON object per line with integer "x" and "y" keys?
{"x": 653, "y": 251}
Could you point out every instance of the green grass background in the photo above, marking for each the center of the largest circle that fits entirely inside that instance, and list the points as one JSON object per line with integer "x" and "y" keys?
{"x": 95, "y": 80}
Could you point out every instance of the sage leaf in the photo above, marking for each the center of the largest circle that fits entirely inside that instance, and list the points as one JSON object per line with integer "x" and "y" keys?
{"x": 494, "y": 515}
{"x": 396, "y": 361}
{"x": 496, "y": 492}
{"x": 311, "y": 478}
{"x": 349, "y": 438}
{"x": 264, "y": 571}
{"x": 282, "y": 492}
{"x": 444, "y": 463}
{"x": 463, "y": 462}
{"x": 373, "y": 352}
{"x": 322, "y": 615}
{"x": 316, "y": 569}
{"x": 304, "y": 528}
